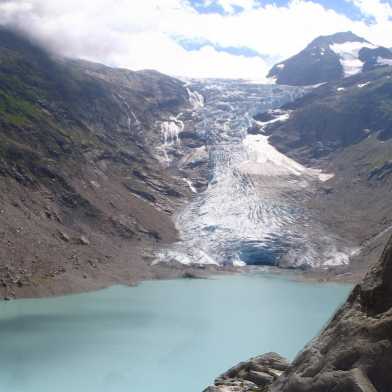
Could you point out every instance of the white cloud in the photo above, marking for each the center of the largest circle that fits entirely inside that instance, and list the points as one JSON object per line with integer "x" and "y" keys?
{"x": 160, "y": 52}
{"x": 139, "y": 34}
{"x": 381, "y": 11}
{"x": 229, "y": 5}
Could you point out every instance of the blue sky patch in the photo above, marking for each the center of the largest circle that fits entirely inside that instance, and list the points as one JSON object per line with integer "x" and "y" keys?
{"x": 202, "y": 8}
{"x": 344, "y": 7}
{"x": 197, "y": 44}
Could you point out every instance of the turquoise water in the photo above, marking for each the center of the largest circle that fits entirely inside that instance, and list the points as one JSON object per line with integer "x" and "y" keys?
{"x": 166, "y": 336}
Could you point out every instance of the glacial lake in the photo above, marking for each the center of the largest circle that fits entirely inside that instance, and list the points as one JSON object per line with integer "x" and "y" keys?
{"x": 161, "y": 336}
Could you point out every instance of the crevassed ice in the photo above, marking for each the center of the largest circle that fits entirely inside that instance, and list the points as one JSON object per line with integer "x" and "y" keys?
{"x": 254, "y": 205}
{"x": 185, "y": 256}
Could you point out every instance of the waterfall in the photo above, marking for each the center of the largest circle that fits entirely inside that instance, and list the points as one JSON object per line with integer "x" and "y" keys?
{"x": 131, "y": 116}
{"x": 171, "y": 130}
{"x": 195, "y": 99}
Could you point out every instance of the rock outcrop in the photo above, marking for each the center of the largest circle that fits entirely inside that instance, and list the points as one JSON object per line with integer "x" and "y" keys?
{"x": 344, "y": 128}
{"x": 251, "y": 376}
{"x": 352, "y": 354}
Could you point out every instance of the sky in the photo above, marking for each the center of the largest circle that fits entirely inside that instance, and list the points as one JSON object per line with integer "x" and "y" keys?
{"x": 193, "y": 38}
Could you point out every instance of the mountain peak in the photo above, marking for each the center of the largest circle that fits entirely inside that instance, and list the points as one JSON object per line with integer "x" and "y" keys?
{"x": 330, "y": 58}
{"x": 337, "y": 38}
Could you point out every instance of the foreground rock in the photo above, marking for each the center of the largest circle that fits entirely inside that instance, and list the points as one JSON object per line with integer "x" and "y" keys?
{"x": 352, "y": 354}
{"x": 254, "y": 375}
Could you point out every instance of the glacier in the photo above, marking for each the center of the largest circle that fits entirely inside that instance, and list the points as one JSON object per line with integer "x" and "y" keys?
{"x": 254, "y": 209}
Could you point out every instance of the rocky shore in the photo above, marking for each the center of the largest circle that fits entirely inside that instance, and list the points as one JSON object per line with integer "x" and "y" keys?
{"x": 352, "y": 354}
{"x": 253, "y": 375}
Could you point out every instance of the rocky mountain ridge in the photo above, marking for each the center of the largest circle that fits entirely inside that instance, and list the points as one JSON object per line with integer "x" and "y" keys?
{"x": 331, "y": 58}
{"x": 95, "y": 161}
{"x": 344, "y": 128}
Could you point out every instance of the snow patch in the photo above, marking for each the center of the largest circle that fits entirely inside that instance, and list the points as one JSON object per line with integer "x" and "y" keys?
{"x": 340, "y": 89}
{"x": 382, "y": 61}
{"x": 281, "y": 116}
{"x": 280, "y": 66}
{"x": 362, "y": 85}
{"x": 190, "y": 184}
{"x": 324, "y": 177}
{"x": 348, "y": 53}
{"x": 266, "y": 160}
{"x": 317, "y": 85}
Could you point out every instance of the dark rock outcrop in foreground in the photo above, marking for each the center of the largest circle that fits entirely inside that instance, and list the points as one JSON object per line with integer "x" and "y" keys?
{"x": 352, "y": 354}
{"x": 250, "y": 376}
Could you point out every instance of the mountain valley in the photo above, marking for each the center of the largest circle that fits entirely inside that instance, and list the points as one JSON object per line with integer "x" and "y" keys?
{"x": 110, "y": 175}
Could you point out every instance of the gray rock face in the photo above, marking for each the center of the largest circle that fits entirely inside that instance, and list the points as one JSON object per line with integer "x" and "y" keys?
{"x": 253, "y": 375}
{"x": 354, "y": 352}
{"x": 77, "y": 155}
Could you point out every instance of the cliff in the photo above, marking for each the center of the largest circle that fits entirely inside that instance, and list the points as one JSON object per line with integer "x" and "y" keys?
{"x": 352, "y": 354}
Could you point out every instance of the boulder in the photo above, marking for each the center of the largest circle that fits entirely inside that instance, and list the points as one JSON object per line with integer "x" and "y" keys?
{"x": 63, "y": 236}
{"x": 84, "y": 240}
{"x": 253, "y": 375}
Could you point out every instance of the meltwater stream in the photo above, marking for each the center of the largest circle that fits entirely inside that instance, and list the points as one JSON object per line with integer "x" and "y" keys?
{"x": 162, "y": 336}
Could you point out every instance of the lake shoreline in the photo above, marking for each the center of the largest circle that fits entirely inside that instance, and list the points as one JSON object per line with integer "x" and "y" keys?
{"x": 163, "y": 271}
{"x": 184, "y": 332}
